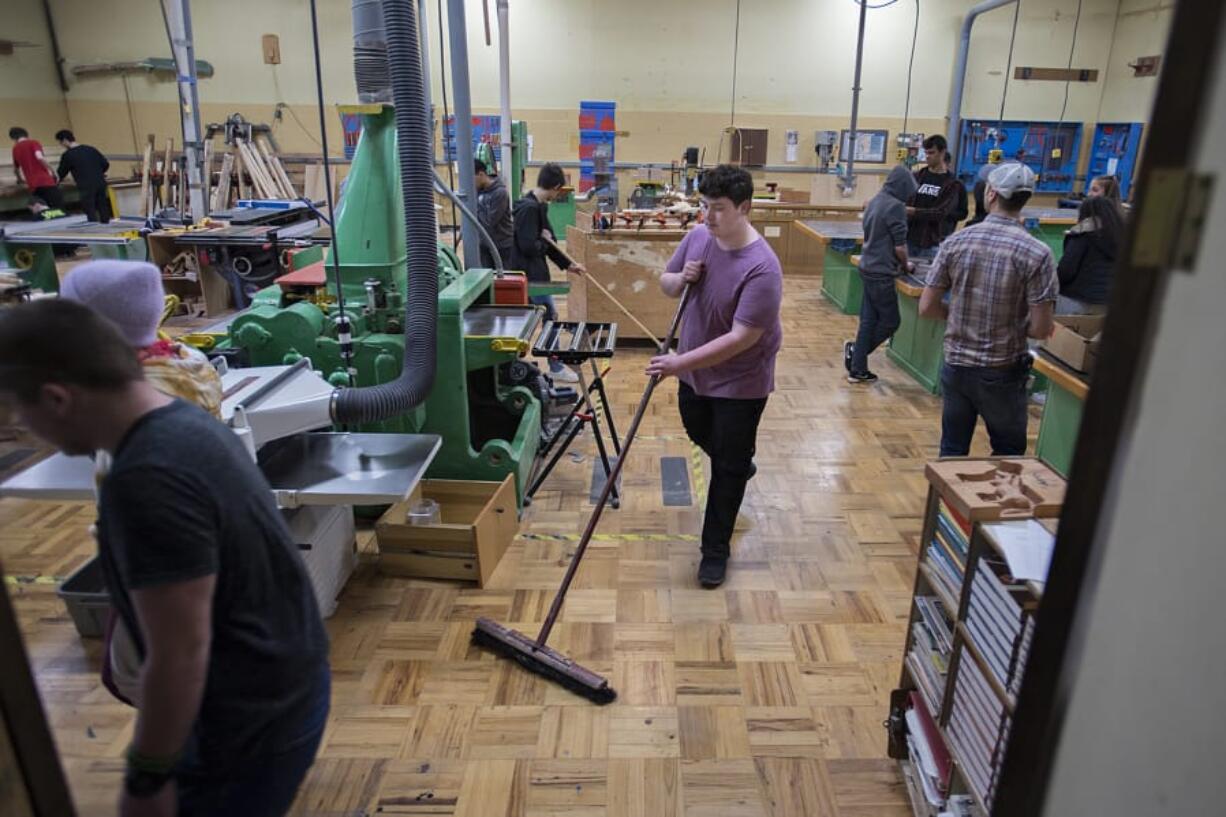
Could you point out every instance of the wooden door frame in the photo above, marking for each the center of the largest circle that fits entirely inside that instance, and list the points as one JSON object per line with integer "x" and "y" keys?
{"x": 1110, "y": 412}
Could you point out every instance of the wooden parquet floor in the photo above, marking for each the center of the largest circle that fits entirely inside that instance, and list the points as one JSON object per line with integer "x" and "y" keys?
{"x": 764, "y": 698}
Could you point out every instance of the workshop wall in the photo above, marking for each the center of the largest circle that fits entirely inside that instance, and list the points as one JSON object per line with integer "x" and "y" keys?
{"x": 668, "y": 65}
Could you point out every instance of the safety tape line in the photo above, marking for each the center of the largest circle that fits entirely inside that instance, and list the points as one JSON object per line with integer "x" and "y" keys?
{"x": 700, "y": 478}
{"x": 32, "y": 580}
{"x": 612, "y": 537}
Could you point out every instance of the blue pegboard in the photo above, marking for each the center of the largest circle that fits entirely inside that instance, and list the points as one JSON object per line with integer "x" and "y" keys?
{"x": 1114, "y": 152}
{"x": 1028, "y": 142}
{"x": 485, "y": 129}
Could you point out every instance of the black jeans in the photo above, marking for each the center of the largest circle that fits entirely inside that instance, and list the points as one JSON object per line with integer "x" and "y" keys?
{"x": 727, "y": 430}
{"x": 879, "y": 318}
{"x": 998, "y": 395}
{"x": 51, "y": 196}
{"x": 262, "y": 787}
{"x": 96, "y": 205}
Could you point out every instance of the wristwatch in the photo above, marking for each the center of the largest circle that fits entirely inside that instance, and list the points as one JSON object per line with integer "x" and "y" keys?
{"x": 145, "y": 776}
{"x": 140, "y": 783}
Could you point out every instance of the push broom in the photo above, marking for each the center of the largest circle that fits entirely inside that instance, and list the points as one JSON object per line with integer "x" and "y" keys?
{"x": 532, "y": 653}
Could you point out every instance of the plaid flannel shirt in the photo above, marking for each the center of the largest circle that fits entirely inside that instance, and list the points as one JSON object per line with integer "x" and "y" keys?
{"x": 994, "y": 271}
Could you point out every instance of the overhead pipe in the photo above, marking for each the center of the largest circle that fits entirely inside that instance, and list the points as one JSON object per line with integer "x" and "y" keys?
{"x": 414, "y": 144}
{"x": 954, "y": 134}
{"x": 458, "y": 39}
{"x": 426, "y": 89}
{"x": 504, "y": 95}
{"x": 849, "y": 181}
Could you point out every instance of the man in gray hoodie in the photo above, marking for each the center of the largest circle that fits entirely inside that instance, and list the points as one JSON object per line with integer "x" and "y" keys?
{"x": 883, "y": 258}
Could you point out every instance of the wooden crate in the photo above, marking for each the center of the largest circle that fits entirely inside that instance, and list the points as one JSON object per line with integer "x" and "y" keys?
{"x": 478, "y": 522}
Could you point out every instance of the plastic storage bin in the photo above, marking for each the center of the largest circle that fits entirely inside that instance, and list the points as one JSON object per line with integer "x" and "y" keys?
{"x": 84, "y": 594}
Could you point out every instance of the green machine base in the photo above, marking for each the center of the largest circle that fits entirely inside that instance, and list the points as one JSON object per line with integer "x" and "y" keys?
{"x": 918, "y": 345}
{"x": 484, "y": 404}
{"x": 1059, "y": 428}
{"x": 841, "y": 280}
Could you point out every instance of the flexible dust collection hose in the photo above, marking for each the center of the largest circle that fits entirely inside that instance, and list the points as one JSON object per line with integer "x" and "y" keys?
{"x": 415, "y": 148}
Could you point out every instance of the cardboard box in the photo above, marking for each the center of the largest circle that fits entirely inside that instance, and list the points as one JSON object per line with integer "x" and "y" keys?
{"x": 1075, "y": 342}
{"x": 789, "y": 196}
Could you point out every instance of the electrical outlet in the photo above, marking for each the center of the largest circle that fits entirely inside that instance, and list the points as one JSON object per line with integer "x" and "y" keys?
{"x": 271, "y": 45}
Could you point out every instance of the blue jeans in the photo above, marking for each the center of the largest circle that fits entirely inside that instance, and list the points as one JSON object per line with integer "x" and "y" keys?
{"x": 261, "y": 787}
{"x": 915, "y": 251}
{"x": 551, "y": 314}
{"x": 998, "y": 395}
{"x": 879, "y": 318}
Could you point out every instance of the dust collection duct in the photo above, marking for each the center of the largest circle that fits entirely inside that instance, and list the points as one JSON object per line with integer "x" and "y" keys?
{"x": 387, "y": 64}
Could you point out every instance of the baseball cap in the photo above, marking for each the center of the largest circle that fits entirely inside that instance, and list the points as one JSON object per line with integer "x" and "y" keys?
{"x": 1012, "y": 177}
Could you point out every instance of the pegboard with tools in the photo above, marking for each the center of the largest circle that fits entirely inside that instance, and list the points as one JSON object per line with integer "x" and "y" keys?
{"x": 1050, "y": 149}
{"x": 1114, "y": 152}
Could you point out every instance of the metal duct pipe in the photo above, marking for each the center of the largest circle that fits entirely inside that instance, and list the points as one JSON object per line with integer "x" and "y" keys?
{"x": 849, "y": 181}
{"x": 370, "y": 52}
{"x": 414, "y": 144}
{"x": 458, "y": 39}
{"x": 426, "y": 90}
{"x": 504, "y": 94}
{"x": 954, "y": 119}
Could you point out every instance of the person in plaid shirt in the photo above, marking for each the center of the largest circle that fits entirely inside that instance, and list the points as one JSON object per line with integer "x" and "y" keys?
{"x": 1003, "y": 287}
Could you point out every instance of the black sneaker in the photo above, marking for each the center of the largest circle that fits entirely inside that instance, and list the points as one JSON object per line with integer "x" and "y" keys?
{"x": 753, "y": 470}
{"x": 861, "y": 377}
{"x": 712, "y": 571}
{"x": 849, "y": 349}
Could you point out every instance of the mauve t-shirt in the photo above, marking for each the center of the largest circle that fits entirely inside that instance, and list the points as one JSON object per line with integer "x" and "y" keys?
{"x": 745, "y": 286}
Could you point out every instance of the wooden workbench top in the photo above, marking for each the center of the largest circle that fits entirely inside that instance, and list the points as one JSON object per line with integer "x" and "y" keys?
{"x": 791, "y": 205}
{"x": 1075, "y": 383}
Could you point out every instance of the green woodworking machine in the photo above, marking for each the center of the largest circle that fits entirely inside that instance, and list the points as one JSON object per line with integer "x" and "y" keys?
{"x": 485, "y": 403}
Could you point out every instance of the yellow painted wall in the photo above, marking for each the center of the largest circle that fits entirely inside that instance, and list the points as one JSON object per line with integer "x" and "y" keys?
{"x": 667, "y": 64}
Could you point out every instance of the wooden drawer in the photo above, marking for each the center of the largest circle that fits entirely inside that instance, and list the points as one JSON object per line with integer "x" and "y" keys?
{"x": 479, "y": 520}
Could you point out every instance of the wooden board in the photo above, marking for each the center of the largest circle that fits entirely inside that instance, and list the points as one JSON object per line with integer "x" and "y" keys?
{"x": 967, "y": 484}
{"x": 630, "y": 269}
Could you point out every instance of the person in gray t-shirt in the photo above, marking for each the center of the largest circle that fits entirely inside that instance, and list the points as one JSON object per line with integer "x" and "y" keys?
{"x": 883, "y": 258}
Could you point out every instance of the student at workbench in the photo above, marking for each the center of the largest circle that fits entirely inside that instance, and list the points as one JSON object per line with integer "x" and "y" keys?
{"x": 88, "y": 168}
{"x": 33, "y": 169}
{"x": 1003, "y": 287}
{"x": 494, "y": 212}
{"x": 936, "y": 208}
{"x": 531, "y": 249}
{"x": 1087, "y": 266}
{"x": 883, "y": 259}
{"x": 199, "y": 563}
{"x": 726, "y": 356}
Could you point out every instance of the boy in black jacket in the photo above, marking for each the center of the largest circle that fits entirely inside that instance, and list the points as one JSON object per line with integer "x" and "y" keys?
{"x": 531, "y": 219}
{"x": 933, "y": 211}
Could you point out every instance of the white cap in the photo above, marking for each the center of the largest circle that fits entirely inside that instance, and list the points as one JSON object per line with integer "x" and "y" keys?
{"x": 1010, "y": 178}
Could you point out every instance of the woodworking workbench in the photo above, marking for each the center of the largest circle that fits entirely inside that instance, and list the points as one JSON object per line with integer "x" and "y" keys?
{"x": 778, "y": 222}
{"x": 918, "y": 347}
{"x": 1066, "y": 394}
{"x": 628, "y": 264}
{"x": 840, "y": 278}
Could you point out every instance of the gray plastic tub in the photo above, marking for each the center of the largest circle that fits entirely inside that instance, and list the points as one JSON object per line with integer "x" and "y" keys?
{"x": 84, "y": 594}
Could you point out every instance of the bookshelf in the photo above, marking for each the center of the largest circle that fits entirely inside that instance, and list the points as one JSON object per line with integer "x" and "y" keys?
{"x": 970, "y": 628}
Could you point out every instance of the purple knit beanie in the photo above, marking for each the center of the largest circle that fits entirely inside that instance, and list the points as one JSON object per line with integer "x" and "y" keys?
{"x": 129, "y": 293}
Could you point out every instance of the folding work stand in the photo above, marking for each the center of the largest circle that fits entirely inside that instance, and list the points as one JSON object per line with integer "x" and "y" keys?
{"x": 574, "y": 343}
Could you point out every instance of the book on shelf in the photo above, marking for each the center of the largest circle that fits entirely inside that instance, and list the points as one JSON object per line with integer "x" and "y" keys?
{"x": 959, "y": 805}
{"x": 932, "y": 758}
{"x": 936, "y": 619}
{"x": 930, "y": 692}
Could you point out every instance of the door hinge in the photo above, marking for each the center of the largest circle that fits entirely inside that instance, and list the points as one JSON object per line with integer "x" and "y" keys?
{"x": 1174, "y": 215}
